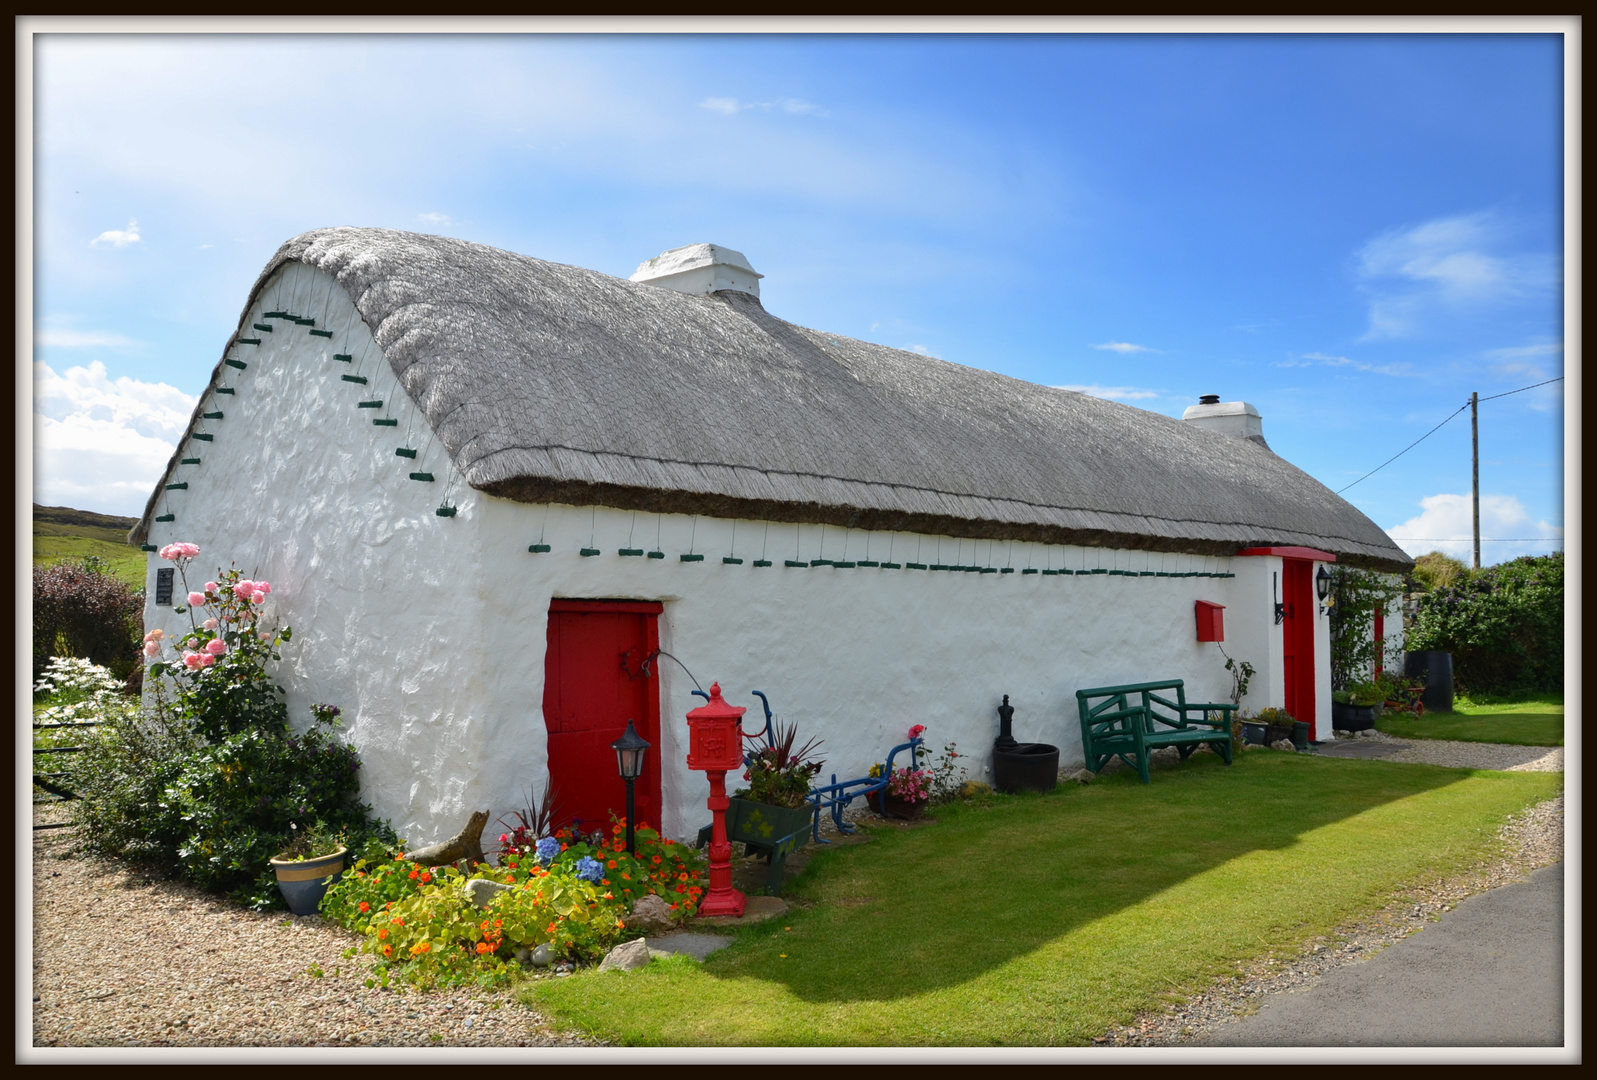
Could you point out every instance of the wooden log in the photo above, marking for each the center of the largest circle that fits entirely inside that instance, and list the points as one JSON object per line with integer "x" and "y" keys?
{"x": 466, "y": 844}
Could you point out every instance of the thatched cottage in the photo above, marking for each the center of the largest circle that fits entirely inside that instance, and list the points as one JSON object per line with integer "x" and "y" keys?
{"x": 488, "y": 488}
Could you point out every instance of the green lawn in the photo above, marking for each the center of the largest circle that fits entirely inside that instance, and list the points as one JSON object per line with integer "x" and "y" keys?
{"x": 1534, "y": 721}
{"x": 1044, "y": 920}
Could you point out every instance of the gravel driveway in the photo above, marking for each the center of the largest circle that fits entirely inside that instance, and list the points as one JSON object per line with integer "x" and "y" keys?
{"x": 120, "y": 960}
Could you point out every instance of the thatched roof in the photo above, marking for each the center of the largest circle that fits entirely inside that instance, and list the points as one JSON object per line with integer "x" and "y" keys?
{"x": 552, "y": 383}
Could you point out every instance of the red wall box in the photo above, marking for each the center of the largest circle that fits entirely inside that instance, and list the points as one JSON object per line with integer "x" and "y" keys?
{"x": 1211, "y": 621}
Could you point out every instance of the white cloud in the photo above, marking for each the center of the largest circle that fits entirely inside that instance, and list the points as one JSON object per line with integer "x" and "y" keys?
{"x": 1444, "y": 524}
{"x": 731, "y": 106}
{"x": 1113, "y": 393}
{"x": 1449, "y": 265}
{"x": 1124, "y": 347}
{"x": 80, "y": 339}
{"x": 1329, "y": 360}
{"x": 100, "y": 444}
{"x": 923, "y": 350}
{"x": 436, "y": 219}
{"x": 1555, "y": 349}
{"x": 118, "y": 237}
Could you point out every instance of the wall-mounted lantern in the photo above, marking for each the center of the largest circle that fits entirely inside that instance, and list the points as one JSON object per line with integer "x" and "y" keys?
{"x": 1322, "y": 589}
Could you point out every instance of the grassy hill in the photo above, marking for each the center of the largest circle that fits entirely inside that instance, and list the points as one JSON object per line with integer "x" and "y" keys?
{"x": 60, "y": 532}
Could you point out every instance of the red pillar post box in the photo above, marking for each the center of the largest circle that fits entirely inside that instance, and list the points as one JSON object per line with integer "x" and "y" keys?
{"x": 715, "y": 745}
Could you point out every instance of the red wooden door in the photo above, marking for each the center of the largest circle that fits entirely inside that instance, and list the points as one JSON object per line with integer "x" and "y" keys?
{"x": 1298, "y": 644}
{"x": 593, "y": 684}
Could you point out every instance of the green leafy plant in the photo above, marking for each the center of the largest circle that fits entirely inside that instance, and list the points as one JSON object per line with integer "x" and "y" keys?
{"x": 1504, "y": 626}
{"x": 313, "y": 841}
{"x": 208, "y": 778}
{"x": 1241, "y": 673}
{"x": 778, "y": 774}
{"x": 80, "y": 608}
{"x": 1356, "y": 595}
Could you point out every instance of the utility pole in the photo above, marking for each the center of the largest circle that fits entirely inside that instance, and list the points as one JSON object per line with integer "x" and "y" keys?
{"x": 1475, "y": 471}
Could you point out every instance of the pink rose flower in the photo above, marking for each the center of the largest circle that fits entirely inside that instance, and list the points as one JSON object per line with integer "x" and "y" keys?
{"x": 210, "y": 624}
{"x": 180, "y": 550}
{"x": 196, "y": 599}
{"x": 258, "y": 598}
{"x": 155, "y": 635}
{"x": 265, "y": 636}
{"x": 191, "y": 660}
{"x": 205, "y": 660}
{"x": 151, "y": 648}
{"x": 243, "y": 585}
{"x": 216, "y": 646}
{"x": 915, "y": 732}
{"x": 210, "y": 586}
{"x": 263, "y": 587}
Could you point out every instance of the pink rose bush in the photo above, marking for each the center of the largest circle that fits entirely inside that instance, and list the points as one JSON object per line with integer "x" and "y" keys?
{"x": 220, "y": 663}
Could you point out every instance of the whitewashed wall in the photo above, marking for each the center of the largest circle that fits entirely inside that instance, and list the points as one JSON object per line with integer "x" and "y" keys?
{"x": 430, "y": 632}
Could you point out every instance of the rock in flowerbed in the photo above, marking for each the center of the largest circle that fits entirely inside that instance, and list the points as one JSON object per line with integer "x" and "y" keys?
{"x": 651, "y": 915}
{"x": 628, "y": 956}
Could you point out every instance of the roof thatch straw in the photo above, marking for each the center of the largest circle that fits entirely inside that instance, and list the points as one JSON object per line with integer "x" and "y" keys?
{"x": 549, "y": 383}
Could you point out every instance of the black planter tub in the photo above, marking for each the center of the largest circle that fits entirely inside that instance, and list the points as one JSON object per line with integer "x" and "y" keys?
{"x": 1026, "y": 767}
{"x": 1346, "y": 717}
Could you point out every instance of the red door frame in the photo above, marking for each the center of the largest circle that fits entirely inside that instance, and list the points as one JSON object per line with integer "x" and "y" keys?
{"x": 1297, "y": 639}
{"x": 648, "y": 725}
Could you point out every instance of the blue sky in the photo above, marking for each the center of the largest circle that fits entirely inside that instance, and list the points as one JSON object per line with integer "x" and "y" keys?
{"x": 1352, "y": 232}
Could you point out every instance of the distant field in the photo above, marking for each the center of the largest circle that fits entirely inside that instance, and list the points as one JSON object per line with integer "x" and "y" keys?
{"x": 61, "y": 533}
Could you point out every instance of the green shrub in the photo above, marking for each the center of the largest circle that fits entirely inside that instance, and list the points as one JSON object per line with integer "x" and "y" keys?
{"x": 208, "y": 778}
{"x": 1504, "y": 626}
{"x": 80, "y": 608}
{"x": 1355, "y": 596}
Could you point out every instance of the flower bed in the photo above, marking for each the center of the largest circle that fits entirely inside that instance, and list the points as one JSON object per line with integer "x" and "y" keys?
{"x": 571, "y": 892}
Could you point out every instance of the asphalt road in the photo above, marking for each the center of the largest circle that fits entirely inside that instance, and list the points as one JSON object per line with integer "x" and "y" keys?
{"x": 1490, "y": 973}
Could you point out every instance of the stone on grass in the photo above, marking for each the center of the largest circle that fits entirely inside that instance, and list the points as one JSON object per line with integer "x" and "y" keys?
{"x": 970, "y": 789}
{"x": 1282, "y": 744}
{"x": 482, "y": 891}
{"x": 651, "y": 915}
{"x": 1085, "y": 776}
{"x": 628, "y": 956}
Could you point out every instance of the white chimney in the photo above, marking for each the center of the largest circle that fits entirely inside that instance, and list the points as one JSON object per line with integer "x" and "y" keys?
{"x": 701, "y": 268}
{"x": 1227, "y": 417}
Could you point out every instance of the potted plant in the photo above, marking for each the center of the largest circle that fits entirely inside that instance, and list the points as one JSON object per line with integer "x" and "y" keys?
{"x": 1247, "y": 728}
{"x": 313, "y": 859}
{"x": 1279, "y": 724}
{"x": 776, "y": 802}
{"x": 906, "y": 795}
{"x": 1355, "y": 708}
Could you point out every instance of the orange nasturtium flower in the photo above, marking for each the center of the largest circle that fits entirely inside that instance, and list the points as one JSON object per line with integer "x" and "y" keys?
{"x": 426, "y": 876}
{"x": 388, "y": 950}
{"x": 413, "y": 874}
{"x": 612, "y": 864}
{"x": 364, "y": 906}
{"x": 381, "y": 934}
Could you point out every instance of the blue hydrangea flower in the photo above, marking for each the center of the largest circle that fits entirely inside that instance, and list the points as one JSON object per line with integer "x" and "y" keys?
{"x": 548, "y": 848}
{"x": 590, "y": 869}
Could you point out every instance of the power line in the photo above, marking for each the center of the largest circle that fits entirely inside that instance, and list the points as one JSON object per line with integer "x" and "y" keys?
{"x": 1438, "y": 427}
{"x": 1406, "y": 449}
{"x": 1484, "y": 539}
{"x": 1522, "y": 389}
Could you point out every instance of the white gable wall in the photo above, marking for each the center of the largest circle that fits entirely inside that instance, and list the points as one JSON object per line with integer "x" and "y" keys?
{"x": 430, "y": 632}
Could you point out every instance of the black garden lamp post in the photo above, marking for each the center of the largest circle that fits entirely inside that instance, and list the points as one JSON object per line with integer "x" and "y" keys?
{"x": 630, "y": 749}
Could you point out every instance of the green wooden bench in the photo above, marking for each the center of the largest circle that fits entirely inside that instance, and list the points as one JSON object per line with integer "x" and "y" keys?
{"x": 1134, "y": 720}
